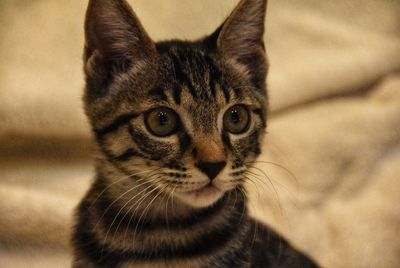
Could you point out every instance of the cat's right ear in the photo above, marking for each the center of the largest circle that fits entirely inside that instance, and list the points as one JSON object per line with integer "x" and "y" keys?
{"x": 240, "y": 39}
{"x": 115, "y": 42}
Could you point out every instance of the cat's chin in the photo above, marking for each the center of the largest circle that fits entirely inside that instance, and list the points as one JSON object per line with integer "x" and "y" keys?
{"x": 202, "y": 197}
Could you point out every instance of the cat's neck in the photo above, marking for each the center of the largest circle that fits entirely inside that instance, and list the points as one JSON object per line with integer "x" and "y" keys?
{"x": 156, "y": 218}
{"x": 160, "y": 229}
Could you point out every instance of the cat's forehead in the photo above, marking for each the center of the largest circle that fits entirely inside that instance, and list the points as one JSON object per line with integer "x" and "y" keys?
{"x": 192, "y": 80}
{"x": 190, "y": 67}
{"x": 197, "y": 75}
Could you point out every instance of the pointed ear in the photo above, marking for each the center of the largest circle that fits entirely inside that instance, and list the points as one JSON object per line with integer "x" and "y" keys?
{"x": 241, "y": 37}
{"x": 115, "y": 40}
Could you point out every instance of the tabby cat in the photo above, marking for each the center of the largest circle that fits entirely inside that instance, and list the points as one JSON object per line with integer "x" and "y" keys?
{"x": 177, "y": 125}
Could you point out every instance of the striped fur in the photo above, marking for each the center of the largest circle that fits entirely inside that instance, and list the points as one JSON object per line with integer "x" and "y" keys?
{"x": 145, "y": 208}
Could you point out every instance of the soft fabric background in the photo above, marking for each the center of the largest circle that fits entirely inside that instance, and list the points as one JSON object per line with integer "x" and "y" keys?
{"x": 333, "y": 147}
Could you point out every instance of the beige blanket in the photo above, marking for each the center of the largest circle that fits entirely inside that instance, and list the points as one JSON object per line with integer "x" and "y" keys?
{"x": 332, "y": 155}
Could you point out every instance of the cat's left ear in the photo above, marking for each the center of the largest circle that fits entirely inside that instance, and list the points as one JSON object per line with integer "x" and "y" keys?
{"x": 240, "y": 39}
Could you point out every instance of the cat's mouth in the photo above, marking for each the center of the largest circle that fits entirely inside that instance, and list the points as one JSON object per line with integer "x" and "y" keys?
{"x": 207, "y": 190}
{"x": 202, "y": 196}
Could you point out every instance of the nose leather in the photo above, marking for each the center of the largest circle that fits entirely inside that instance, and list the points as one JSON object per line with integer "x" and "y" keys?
{"x": 211, "y": 169}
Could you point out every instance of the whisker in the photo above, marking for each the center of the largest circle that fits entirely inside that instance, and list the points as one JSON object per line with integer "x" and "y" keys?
{"x": 148, "y": 207}
{"x": 124, "y": 239}
{"x": 166, "y": 205}
{"x": 254, "y": 233}
{"x": 292, "y": 175}
{"x": 154, "y": 180}
{"x": 254, "y": 183}
{"x": 119, "y": 180}
{"x": 274, "y": 193}
{"x": 244, "y": 207}
{"x": 256, "y": 222}
{"x": 270, "y": 181}
{"x": 126, "y": 203}
{"x": 236, "y": 196}
{"x": 145, "y": 180}
{"x": 292, "y": 196}
{"x": 256, "y": 176}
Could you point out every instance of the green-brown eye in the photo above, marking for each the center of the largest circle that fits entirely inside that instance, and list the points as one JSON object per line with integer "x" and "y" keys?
{"x": 162, "y": 121}
{"x": 237, "y": 119}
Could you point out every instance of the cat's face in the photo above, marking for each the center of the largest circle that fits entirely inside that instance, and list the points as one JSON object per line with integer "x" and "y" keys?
{"x": 184, "y": 117}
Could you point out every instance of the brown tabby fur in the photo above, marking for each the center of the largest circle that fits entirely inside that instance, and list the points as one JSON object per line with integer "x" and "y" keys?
{"x": 133, "y": 215}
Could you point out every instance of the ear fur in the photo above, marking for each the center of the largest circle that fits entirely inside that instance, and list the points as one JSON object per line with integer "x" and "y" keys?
{"x": 115, "y": 41}
{"x": 241, "y": 38}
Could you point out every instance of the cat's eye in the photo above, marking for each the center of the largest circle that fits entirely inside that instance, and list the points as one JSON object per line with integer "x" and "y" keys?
{"x": 237, "y": 119}
{"x": 162, "y": 121}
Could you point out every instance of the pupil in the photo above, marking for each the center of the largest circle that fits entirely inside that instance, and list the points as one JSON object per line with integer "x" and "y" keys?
{"x": 163, "y": 119}
{"x": 235, "y": 117}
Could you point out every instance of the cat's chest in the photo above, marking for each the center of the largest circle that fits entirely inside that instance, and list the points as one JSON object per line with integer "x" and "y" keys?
{"x": 204, "y": 262}
{"x": 163, "y": 264}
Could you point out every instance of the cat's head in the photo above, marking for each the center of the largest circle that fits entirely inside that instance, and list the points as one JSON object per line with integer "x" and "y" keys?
{"x": 184, "y": 117}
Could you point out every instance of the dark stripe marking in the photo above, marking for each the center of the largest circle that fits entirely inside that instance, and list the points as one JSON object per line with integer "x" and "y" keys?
{"x": 184, "y": 142}
{"x": 127, "y": 155}
{"x": 130, "y": 220}
{"x": 182, "y": 76}
{"x": 104, "y": 256}
{"x": 110, "y": 157}
{"x": 261, "y": 114}
{"x": 158, "y": 93}
{"x": 215, "y": 77}
{"x": 156, "y": 150}
{"x": 176, "y": 94}
{"x": 226, "y": 140}
{"x": 116, "y": 124}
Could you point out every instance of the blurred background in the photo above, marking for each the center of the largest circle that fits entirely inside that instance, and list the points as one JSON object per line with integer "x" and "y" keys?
{"x": 332, "y": 152}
